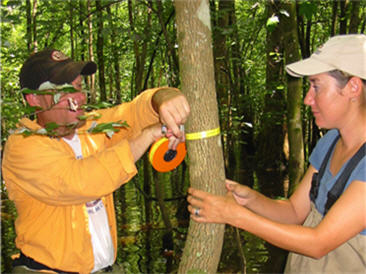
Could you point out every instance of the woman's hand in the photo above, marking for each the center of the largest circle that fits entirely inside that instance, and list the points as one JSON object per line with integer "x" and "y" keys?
{"x": 208, "y": 208}
{"x": 242, "y": 194}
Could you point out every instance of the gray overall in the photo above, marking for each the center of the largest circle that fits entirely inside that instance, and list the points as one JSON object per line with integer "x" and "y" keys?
{"x": 347, "y": 258}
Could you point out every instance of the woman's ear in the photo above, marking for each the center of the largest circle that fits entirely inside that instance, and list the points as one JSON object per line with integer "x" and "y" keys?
{"x": 355, "y": 87}
{"x": 32, "y": 99}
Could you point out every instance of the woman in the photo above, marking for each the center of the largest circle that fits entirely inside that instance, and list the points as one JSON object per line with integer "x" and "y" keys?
{"x": 323, "y": 235}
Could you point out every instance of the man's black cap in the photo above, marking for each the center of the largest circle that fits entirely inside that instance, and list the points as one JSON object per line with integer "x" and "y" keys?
{"x": 53, "y": 66}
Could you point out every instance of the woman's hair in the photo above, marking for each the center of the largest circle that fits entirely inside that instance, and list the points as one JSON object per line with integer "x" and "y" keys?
{"x": 343, "y": 78}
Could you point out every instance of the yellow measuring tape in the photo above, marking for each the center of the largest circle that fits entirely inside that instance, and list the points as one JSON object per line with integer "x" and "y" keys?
{"x": 203, "y": 134}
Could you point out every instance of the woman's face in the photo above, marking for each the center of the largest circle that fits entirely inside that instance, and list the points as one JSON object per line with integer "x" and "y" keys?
{"x": 327, "y": 101}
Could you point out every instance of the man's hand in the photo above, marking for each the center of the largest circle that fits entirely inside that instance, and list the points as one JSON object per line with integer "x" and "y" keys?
{"x": 140, "y": 144}
{"x": 173, "y": 108}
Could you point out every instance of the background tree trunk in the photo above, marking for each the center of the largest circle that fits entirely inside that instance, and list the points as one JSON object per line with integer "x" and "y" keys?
{"x": 28, "y": 35}
{"x": 116, "y": 58}
{"x": 343, "y": 16}
{"x": 140, "y": 51}
{"x": 270, "y": 157}
{"x": 296, "y": 165}
{"x": 71, "y": 20}
{"x": 100, "y": 51}
{"x": 204, "y": 241}
{"x": 355, "y": 19}
{"x": 34, "y": 25}
{"x": 222, "y": 73}
{"x": 93, "y": 95}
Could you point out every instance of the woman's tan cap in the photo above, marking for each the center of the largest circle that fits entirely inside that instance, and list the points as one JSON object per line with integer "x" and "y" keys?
{"x": 346, "y": 53}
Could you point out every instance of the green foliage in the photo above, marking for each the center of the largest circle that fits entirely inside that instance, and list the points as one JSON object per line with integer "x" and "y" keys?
{"x": 108, "y": 128}
{"x": 8, "y": 215}
{"x": 272, "y": 22}
{"x": 50, "y": 128}
{"x": 60, "y": 91}
{"x": 99, "y": 105}
{"x": 308, "y": 9}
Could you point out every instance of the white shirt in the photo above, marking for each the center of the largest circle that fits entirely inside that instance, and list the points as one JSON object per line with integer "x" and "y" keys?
{"x": 102, "y": 244}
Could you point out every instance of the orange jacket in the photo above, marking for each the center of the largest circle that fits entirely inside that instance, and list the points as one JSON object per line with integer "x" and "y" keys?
{"x": 50, "y": 187}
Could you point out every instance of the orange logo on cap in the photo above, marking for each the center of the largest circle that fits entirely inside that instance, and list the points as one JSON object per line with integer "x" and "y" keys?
{"x": 58, "y": 56}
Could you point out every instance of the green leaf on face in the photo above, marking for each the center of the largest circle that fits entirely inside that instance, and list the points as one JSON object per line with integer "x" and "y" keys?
{"x": 51, "y": 90}
{"x": 38, "y": 92}
{"x": 51, "y": 126}
{"x": 72, "y": 125}
{"x": 68, "y": 90}
{"x": 56, "y": 97}
{"x": 30, "y": 110}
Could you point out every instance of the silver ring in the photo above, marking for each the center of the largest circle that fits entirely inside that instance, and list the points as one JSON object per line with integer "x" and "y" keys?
{"x": 197, "y": 211}
{"x": 164, "y": 129}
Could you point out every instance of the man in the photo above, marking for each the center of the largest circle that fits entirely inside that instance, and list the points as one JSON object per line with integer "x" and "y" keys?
{"x": 62, "y": 180}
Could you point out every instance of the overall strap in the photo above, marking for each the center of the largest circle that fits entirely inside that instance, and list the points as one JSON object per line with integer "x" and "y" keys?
{"x": 340, "y": 184}
{"x": 317, "y": 176}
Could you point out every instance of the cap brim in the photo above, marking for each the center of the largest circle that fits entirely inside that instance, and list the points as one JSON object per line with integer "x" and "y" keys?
{"x": 307, "y": 67}
{"x": 89, "y": 68}
{"x": 71, "y": 70}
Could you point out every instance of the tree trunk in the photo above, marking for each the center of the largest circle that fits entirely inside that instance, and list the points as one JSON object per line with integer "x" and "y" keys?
{"x": 270, "y": 157}
{"x": 71, "y": 18}
{"x": 100, "y": 51}
{"x": 91, "y": 54}
{"x": 333, "y": 28}
{"x": 204, "y": 241}
{"x": 172, "y": 74}
{"x": 294, "y": 100}
{"x": 28, "y": 7}
{"x": 343, "y": 17}
{"x": 170, "y": 44}
{"x": 355, "y": 19}
{"x": 222, "y": 77}
{"x": 116, "y": 78}
{"x": 34, "y": 19}
{"x": 140, "y": 53}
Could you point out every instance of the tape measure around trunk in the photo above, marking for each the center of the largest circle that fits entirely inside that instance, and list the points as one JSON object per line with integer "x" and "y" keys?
{"x": 203, "y": 134}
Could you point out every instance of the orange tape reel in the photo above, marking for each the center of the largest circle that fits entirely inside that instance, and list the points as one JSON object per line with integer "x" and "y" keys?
{"x": 164, "y": 159}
